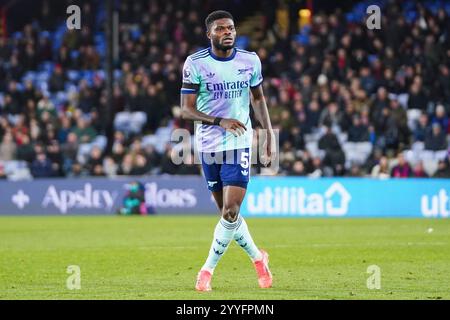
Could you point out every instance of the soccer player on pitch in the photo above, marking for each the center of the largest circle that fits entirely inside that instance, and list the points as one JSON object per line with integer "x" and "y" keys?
{"x": 217, "y": 85}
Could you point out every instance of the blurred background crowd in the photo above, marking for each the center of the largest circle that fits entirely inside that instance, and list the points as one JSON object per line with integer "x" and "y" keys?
{"x": 348, "y": 101}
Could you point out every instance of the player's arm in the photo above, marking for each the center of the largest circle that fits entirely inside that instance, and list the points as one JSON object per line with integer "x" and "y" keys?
{"x": 259, "y": 106}
{"x": 189, "y": 92}
{"x": 189, "y": 112}
{"x": 189, "y": 109}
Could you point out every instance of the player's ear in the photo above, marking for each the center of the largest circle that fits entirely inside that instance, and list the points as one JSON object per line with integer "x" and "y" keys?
{"x": 208, "y": 34}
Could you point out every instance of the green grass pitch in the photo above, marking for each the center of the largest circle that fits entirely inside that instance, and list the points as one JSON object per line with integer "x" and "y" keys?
{"x": 159, "y": 257}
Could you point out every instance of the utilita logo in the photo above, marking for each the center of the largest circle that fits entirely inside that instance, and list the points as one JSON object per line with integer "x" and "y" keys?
{"x": 164, "y": 198}
{"x": 86, "y": 198}
{"x": 295, "y": 201}
{"x": 435, "y": 206}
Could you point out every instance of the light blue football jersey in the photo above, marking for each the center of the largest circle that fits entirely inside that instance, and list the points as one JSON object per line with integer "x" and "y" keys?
{"x": 223, "y": 90}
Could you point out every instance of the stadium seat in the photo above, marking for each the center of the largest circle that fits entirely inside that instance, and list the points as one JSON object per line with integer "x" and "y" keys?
{"x": 74, "y": 54}
{"x": 61, "y": 97}
{"x": 242, "y": 42}
{"x": 17, "y": 170}
{"x": 85, "y": 148}
{"x": 411, "y": 157}
{"x": 426, "y": 155}
{"x": 430, "y": 166}
{"x": 418, "y": 146}
{"x": 117, "y": 74}
{"x": 413, "y": 116}
{"x": 342, "y": 138}
{"x": 440, "y": 155}
{"x": 73, "y": 75}
{"x": 100, "y": 141}
{"x": 363, "y": 148}
{"x": 130, "y": 122}
{"x": 402, "y": 99}
{"x": 47, "y": 66}
{"x": 312, "y": 148}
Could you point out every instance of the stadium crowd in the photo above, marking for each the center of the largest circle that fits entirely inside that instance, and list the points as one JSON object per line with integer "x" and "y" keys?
{"x": 348, "y": 101}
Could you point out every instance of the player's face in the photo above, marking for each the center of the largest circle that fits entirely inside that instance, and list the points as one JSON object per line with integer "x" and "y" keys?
{"x": 222, "y": 34}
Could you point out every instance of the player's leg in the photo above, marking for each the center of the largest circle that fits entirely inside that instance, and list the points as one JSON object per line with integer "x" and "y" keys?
{"x": 223, "y": 232}
{"x": 242, "y": 236}
{"x": 235, "y": 178}
{"x": 223, "y": 235}
{"x": 218, "y": 197}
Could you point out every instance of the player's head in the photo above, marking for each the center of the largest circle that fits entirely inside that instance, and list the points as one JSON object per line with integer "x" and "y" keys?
{"x": 220, "y": 29}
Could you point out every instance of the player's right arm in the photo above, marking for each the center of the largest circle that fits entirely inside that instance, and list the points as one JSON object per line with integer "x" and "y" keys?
{"x": 189, "y": 92}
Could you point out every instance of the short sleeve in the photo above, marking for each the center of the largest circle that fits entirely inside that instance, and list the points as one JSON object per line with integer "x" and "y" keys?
{"x": 257, "y": 77}
{"x": 191, "y": 79}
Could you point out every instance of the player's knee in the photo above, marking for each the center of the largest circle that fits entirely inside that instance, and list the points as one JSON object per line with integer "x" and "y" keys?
{"x": 230, "y": 213}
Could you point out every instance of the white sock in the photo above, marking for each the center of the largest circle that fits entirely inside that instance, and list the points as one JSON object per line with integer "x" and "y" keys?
{"x": 245, "y": 240}
{"x": 223, "y": 234}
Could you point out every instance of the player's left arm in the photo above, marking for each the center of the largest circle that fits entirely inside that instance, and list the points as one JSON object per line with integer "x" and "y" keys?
{"x": 260, "y": 107}
{"x": 261, "y": 111}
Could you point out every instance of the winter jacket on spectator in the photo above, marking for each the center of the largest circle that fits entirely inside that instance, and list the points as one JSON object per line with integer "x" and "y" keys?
{"x": 7, "y": 148}
{"x": 443, "y": 170}
{"x": 42, "y": 167}
{"x": 402, "y": 169}
{"x": 436, "y": 139}
{"x": 358, "y": 132}
{"x": 421, "y": 129}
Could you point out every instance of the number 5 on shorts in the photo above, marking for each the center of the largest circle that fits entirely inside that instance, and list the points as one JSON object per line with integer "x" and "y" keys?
{"x": 244, "y": 160}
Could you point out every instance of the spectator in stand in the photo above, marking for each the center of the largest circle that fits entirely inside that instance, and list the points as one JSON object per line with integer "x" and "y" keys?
{"x": 98, "y": 171}
{"x": 334, "y": 156}
{"x": 95, "y": 158}
{"x": 57, "y": 79}
{"x": 297, "y": 169}
{"x": 3, "y": 175}
{"x": 69, "y": 149}
{"x": 417, "y": 98}
{"x": 400, "y": 120}
{"x": 443, "y": 170}
{"x": 167, "y": 165}
{"x": 189, "y": 167}
{"x": 55, "y": 156}
{"x": 422, "y": 128}
{"x": 381, "y": 170}
{"x": 358, "y": 132}
{"x": 8, "y": 148}
{"x": 126, "y": 166}
{"x": 435, "y": 139}
{"x": 110, "y": 167}
{"x": 402, "y": 169}
{"x": 42, "y": 166}
{"x": 317, "y": 168}
{"x": 140, "y": 166}
{"x": 84, "y": 131}
{"x": 25, "y": 150}
{"x": 441, "y": 117}
{"x": 419, "y": 171}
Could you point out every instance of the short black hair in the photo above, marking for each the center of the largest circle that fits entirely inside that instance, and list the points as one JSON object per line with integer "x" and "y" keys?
{"x": 216, "y": 15}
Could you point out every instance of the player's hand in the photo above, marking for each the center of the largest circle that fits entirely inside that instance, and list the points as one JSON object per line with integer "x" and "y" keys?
{"x": 234, "y": 126}
{"x": 269, "y": 149}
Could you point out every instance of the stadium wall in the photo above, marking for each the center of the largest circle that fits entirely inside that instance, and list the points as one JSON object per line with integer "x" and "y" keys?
{"x": 266, "y": 197}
